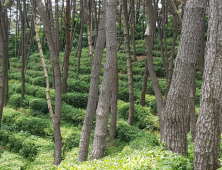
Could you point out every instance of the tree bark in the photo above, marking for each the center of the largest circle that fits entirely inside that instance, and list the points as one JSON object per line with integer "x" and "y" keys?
{"x": 58, "y": 85}
{"x": 128, "y": 58}
{"x": 149, "y": 45}
{"x": 102, "y": 112}
{"x": 178, "y": 96}
{"x": 93, "y": 91}
{"x": 44, "y": 65}
{"x": 67, "y": 50}
{"x": 89, "y": 36}
{"x": 3, "y": 58}
{"x": 207, "y": 145}
{"x": 145, "y": 78}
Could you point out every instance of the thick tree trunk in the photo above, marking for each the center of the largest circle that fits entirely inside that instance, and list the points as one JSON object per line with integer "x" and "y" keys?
{"x": 191, "y": 111}
{"x": 178, "y": 95}
{"x": 58, "y": 85}
{"x": 93, "y": 91}
{"x": 208, "y": 138}
{"x": 128, "y": 58}
{"x": 102, "y": 112}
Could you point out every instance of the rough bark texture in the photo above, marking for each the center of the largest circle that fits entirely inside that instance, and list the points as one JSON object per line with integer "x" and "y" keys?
{"x": 207, "y": 145}
{"x": 191, "y": 111}
{"x": 102, "y": 112}
{"x": 149, "y": 45}
{"x": 58, "y": 85}
{"x": 133, "y": 28}
{"x": 129, "y": 65}
{"x": 93, "y": 91}
{"x": 178, "y": 96}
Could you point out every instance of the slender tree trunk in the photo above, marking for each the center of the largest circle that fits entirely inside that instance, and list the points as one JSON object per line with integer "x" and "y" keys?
{"x": 102, "y": 112}
{"x": 3, "y": 58}
{"x": 149, "y": 45}
{"x": 145, "y": 78}
{"x": 129, "y": 65}
{"x": 89, "y": 36}
{"x": 133, "y": 28}
{"x": 94, "y": 86}
{"x": 44, "y": 66}
{"x": 178, "y": 95}
{"x": 58, "y": 85}
{"x": 207, "y": 145}
{"x": 114, "y": 106}
{"x": 67, "y": 50}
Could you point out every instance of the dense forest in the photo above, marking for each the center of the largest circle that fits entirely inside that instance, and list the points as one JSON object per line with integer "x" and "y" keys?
{"x": 110, "y": 84}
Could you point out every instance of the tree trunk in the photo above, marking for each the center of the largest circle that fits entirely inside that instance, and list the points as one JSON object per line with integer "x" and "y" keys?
{"x": 149, "y": 45}
{"x": 89, "y": 36}
{"x": 93, "y": 91}
{"x": 67, "y": 50}
{"x": 145, "y": 78}
{"x": 208, "y": 138}
{"x": 44, "y": 65}
{"x": 114, "y": 106}
{"x": 102, "y": 112}
{"x": 178, "y": 95}
{"x": 133, "y": 28}
{"x": 129, "y": 65}
{"x": 3, "y": 58}
{"x": 58, "y": 85}
{"x": 192, "y": 112}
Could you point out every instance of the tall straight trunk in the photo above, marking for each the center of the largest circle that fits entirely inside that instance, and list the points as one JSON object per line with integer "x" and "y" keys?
{"x": 178, "y": 95}
{"x": 68, "y": 49}
{"x": 58, "y": 84}
{"x": 102, "y": 112}
{"x": 16, "y": 31}
{"x": 149, "y": 45}
{"x": 114, "y": 98}
{"x": 133, "y": 28}
{"x": 44, "y": 65}
{"x": 93, "y": 91}
{"x": 89, "y": 36}
{"x": 23, "y": 39}
{"x": 208, "y": 138}
{"x": 143, "y": 26}
{"x": 165, "y": 56}
{"x": 129, "y": 65}
{"x": 145, "y": 78}
{"x": 3, "y": 58}
{"x": 79, "y": 48}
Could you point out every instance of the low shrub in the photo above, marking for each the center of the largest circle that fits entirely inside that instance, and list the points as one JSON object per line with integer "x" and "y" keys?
{"x": 34, "y": 125}
{"x": 72, "y": 115}
{"x": 77, "y": 86}
{"x": 142, "y": 117}
{"x": 78, "y": 100}
{"x": 123, "y": 94}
